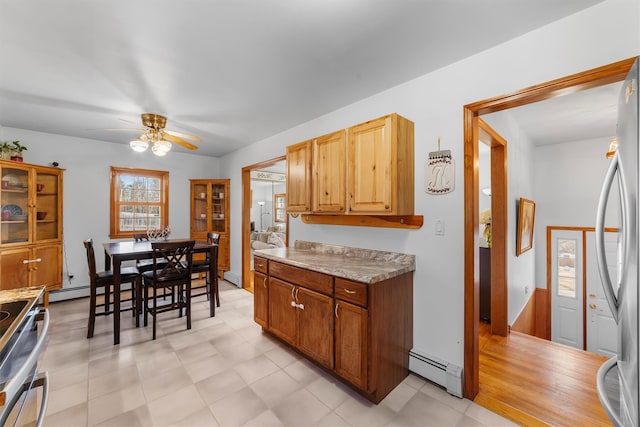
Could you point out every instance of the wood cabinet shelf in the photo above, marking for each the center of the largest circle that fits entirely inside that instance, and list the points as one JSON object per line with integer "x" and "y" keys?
{"x": 31, "y": 248}
{"x": 387, "y": 221}
{"x": 207, "y": 206}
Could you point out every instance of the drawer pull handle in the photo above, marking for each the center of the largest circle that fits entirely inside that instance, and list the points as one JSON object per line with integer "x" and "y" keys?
{"x": 349, "y": 291}
{"x": 300, "y": 306}
{"x": 336, "y": 310}
{"x": 27, "y": 261}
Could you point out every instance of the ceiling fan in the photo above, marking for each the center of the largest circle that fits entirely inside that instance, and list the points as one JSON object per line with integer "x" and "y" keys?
{"x": 155, "y": 135}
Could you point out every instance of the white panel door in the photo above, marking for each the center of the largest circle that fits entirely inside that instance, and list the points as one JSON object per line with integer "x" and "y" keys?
{"x": 602, "y": 331}
{"x": 566, "y": 288}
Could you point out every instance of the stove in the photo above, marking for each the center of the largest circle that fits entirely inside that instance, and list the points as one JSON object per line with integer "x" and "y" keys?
{"x": 21, "y": 343}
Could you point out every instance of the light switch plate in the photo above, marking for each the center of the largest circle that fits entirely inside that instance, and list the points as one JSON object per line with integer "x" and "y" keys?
{"x": 439, "y": 227}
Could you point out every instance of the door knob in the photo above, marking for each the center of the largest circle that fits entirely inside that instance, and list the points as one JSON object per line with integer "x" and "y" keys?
{"x": 592, "y": 306}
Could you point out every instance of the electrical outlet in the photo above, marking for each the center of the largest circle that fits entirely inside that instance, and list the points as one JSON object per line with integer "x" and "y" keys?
{"x": 526, "y": 290}
{"x": 439, "y": 227}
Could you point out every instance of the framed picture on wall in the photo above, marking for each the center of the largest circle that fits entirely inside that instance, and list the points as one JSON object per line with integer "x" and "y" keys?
{"x": 526, "y": 216}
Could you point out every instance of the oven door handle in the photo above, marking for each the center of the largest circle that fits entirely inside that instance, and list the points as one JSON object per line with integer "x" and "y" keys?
{"x": 12, "y": 389}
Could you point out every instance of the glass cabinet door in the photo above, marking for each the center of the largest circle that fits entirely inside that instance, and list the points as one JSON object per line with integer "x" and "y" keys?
{"x": 14, "y": 196}
{"x": 47, "y": 196}
{"x": 200, "y": 195}
{"x": 218, "y": 201}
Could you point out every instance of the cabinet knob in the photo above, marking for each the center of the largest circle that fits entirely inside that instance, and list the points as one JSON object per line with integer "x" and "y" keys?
{"x": 592, "y": 295}
{"x": 592, "y": 306}
{"x": 386, "y": 206}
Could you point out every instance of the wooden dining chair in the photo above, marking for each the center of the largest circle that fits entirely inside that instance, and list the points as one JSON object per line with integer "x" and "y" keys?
{"x": 174, "y": 275}
{"x": 203, "y": 267}
{"x": 104, "y": 279}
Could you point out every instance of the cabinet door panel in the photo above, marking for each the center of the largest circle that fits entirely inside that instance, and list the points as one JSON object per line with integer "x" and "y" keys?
{"x": 315, "y": 325}
{"x": 299, "y": 177}
{"x": 329, "y": 173}
{"x": 14, "y": 273}
{"x": 370, "y": 168}
{"x": 47, "y": 271}
{"x": 282, "y": 315}
{"x": 260, "y": 299}
{"x": 351, "y": 343}
{"x": 223, "y": 252}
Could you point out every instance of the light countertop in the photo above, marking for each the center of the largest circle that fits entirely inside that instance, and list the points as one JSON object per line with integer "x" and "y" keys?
{"x": 361, "y": 265}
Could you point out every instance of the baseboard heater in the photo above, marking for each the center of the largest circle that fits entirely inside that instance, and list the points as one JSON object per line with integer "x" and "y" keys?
{"x": 439, "y": 371}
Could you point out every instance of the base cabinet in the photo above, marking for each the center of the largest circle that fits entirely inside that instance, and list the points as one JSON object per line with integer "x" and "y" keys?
{"x": 351, "y": 343}
{"x": 260, "y": 295}
{"x": 360, "y": 332}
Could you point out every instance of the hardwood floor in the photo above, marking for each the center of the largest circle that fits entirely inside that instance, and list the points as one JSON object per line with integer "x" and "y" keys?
{"x": 536, "y": 382}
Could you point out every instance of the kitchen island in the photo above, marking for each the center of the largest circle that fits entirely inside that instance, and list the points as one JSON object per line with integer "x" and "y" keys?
{"x": 350, "y": 310}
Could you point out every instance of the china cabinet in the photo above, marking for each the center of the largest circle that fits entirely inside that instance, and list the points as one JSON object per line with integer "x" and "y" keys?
{"x": 210, "y": 214}
{"x": 30, "y": 226}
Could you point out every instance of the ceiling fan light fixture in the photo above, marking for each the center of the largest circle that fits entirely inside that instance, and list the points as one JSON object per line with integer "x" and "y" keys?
{"x": 161, "y": 148}
{"x": 139, "y": 145}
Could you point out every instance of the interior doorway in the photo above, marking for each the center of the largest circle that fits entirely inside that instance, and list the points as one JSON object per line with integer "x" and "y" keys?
{"x": 269, "y": 212}
{"x": 589, "y": 79}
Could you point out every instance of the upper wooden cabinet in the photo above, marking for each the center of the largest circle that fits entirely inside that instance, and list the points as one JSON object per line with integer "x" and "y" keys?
{"x": 329, "y": 173}
{"x": 367, "y": 169}
{"x": 210, "y": 213}
{"x": 380, "y": 177}
{"x": 299, "y": 177}
{"x": 31, "y": 226}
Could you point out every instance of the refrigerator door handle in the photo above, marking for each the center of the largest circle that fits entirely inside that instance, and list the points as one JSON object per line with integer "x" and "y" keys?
{"x": 609, "y": 292}
{"x": 602, "y": 393}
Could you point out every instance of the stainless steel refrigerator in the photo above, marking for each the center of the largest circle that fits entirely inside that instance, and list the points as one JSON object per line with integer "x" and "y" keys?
{"x": 618, "y": 377}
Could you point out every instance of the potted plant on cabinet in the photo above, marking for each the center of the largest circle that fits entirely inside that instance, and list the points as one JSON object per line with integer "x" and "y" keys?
{"x": 17, "y": 150}
{"x": 5, "y": 150}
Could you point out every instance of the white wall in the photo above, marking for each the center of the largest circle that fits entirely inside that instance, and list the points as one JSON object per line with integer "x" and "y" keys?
{"x": 86, "y": 189}
{"x": 520, "y": 269}
{"x": 603, "y": 34}
{"x": 568, "y": 180}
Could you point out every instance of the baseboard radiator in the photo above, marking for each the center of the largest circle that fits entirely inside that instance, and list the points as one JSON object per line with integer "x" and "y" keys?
{"x": 439, "y": 371}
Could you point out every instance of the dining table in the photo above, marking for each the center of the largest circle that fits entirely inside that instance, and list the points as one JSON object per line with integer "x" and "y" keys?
{"x": 116, "y": 252}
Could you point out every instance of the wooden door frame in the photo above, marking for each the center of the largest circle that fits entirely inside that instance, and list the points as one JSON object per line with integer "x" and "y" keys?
{"x": 595, "y": 77}
{"x": 499, "y": 224}
{"x": 246, "y": 217}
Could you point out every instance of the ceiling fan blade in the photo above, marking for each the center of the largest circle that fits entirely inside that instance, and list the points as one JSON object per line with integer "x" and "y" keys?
{"x": 181, "y": 142}
{"x": 183, "y": 135}
{"x": 141, "y": 129}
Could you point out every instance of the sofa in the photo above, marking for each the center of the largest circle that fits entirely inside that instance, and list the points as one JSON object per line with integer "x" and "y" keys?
{"x": 267, "y": 240}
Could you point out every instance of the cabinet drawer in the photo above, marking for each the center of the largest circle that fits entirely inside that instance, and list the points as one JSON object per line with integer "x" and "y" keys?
{"x": 353, "y": 292}
{"x": 260, "y": 264}
{"x": 309, "y": 279}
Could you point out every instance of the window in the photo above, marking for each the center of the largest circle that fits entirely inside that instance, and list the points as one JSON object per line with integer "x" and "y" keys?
{"x": 567, "y": 267}
{"x": 279, "y": 207}
{"x": 139, "y": 201}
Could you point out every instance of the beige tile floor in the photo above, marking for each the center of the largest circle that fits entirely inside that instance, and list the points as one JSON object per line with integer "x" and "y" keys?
{"x": 222, "y": 372}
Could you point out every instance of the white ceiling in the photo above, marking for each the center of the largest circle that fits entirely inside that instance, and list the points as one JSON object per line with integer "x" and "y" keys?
{"x": 231, "y": 71}
{"x": 578, "y": 116}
